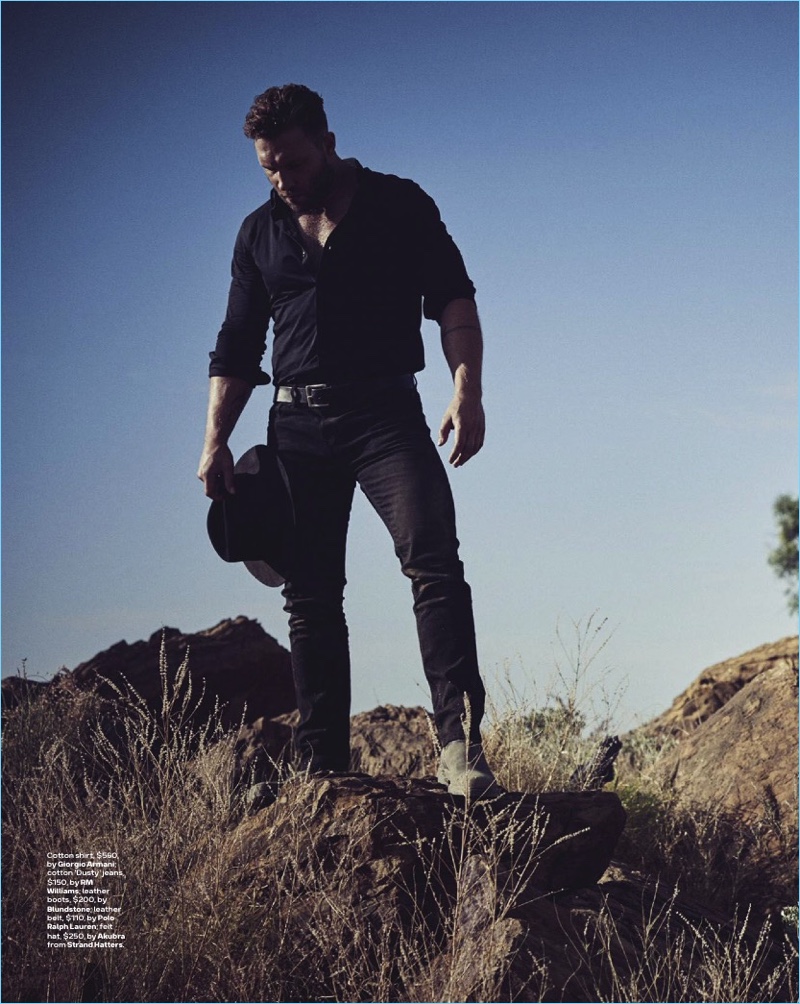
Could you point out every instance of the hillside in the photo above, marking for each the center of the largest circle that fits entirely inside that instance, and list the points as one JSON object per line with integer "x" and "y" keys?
{"x": 670, "y": 883}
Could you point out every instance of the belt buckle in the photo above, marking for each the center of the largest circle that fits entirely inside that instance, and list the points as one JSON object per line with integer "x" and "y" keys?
{"x": 311, "y": 390}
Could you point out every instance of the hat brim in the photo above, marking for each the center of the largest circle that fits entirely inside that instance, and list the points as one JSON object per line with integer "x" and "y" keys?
{"x": 264, "y": 573}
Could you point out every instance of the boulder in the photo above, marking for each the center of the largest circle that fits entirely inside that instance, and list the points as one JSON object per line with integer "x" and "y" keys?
{"x": 393, "y": 740}
{"x": 552, "y": 841}
{"x": 397, "y": 857}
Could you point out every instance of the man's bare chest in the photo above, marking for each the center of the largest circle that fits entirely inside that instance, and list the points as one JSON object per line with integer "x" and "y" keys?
{"x": 315, "y": 229}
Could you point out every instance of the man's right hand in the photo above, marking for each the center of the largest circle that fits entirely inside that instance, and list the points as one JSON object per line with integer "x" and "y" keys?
{"x": 216, "y": 471}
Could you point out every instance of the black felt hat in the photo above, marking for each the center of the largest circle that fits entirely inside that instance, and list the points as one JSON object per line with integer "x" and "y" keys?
{"x": 255, "y": 525}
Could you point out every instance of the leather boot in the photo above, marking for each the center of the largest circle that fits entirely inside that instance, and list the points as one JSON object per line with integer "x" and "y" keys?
{"x": 466, "y": 772}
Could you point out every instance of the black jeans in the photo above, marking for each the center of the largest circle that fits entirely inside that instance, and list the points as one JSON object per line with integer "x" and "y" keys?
{"x": 386, "y": 448}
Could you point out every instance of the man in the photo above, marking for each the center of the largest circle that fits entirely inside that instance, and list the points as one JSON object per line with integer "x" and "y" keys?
{"x": 343, "y": 260}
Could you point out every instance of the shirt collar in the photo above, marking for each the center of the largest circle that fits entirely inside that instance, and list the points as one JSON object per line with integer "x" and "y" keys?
{"x": 278, "y": 208}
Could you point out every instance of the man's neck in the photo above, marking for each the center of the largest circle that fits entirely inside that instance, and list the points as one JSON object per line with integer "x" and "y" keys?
{"x": 336, "y": 201}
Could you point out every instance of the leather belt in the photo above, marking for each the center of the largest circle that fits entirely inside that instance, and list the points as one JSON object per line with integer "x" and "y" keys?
{"x": 325, "y": 395}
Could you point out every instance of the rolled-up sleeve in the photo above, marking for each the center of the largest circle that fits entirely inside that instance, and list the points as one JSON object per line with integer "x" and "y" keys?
{"x": 242, "y": 339}
{"x": 443, "y": 274}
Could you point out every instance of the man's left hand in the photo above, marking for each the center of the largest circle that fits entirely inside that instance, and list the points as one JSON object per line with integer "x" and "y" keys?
{"x": 464, "y": 417}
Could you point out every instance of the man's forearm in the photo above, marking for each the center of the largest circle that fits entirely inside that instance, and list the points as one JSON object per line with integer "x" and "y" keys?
{"x": 227, "y": 397}
{"x": 462, "y": 343}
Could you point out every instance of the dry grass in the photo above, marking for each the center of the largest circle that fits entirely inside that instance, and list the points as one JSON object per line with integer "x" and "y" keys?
{"x": 157, "y": 790}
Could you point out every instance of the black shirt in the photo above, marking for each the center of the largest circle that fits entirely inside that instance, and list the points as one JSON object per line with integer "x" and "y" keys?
{"x": 358, "y": 315}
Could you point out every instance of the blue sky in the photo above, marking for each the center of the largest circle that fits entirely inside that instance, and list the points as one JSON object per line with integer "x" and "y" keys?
{"x": 621, "y": 179}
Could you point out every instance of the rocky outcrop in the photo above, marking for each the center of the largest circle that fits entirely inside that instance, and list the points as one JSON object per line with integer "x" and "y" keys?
{"x": 235, "y": 664}
{"x": 740, "y": 765}
{"x": 726, "y": 757}
{"x": 718, "y": 684}
{"x": 744, "y": 757}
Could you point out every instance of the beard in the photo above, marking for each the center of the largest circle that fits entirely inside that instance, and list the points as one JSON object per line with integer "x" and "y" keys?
{"x": 315, "y": 197}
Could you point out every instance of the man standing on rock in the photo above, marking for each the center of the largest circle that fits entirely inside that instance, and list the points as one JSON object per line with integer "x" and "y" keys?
{"x": 344, "y": 261}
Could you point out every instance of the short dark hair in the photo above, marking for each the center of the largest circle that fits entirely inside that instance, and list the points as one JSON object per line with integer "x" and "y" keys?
{"x": 282, "y": 108}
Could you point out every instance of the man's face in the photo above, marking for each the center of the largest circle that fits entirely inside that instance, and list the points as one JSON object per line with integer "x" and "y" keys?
{"x": 299, "y": 167}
